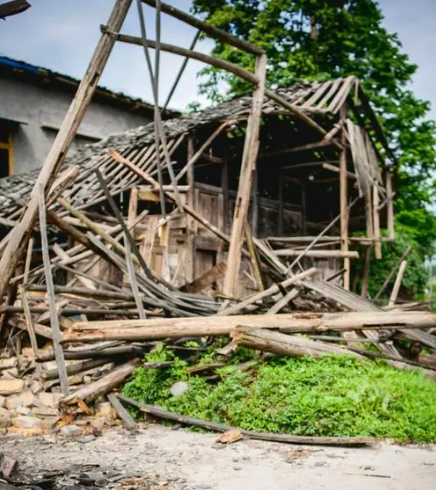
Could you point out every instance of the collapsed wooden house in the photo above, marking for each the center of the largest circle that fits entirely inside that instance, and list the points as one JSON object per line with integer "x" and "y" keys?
{"x": 201, "y": 226}
{"x": 302, "y": 184}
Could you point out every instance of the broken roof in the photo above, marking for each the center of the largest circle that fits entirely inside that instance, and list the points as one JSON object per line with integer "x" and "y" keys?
{"x": 313, "y": 98}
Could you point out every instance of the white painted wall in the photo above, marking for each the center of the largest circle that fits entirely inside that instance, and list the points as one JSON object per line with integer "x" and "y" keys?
{"x": 41, "y": 110}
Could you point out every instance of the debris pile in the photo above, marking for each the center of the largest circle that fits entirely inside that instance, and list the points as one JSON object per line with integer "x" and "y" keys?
{"x": 134, "y": 243}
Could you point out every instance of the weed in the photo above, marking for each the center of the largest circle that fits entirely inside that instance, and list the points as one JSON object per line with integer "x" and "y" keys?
{"x": 334, "y": 396}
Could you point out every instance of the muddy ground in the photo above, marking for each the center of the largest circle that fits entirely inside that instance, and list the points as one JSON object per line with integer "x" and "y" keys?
{"x": 185, "y": 460}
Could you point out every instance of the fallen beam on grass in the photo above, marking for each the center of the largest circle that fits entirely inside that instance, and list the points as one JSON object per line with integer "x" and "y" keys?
{"x": 285, "y": 345}
{"x": 159, "y": 412}
{"x": 153, "y": 329}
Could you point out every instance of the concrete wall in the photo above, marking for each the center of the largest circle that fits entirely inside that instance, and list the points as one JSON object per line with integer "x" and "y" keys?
{"x": 41, "y": 110}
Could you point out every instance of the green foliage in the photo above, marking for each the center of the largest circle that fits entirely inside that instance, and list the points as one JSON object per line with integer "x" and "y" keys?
{"x": 415, "y": 277}
{"x": 151, "y": 385}
{"x": 335, "y": 396}
{"x": 322, "y": 39}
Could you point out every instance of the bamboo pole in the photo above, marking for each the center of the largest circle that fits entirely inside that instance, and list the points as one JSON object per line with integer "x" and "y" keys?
{"x": 181, "y": 70}
{"x": 54, "y": 318}
{"x": 248, "y": 164}
{"x": 207, "y": 28}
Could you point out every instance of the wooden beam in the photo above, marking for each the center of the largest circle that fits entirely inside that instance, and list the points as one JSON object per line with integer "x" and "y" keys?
{"x": 54, "y": 318}
{"x": 19, "y": 235}
{"x": 397, "y": 284}
{"x": 195, "y": 55}
{"x": 343, "y": 203}
{"x": 154, "y": 329}
{"x": 286, "y": 345}
{"x": 249, "y": 157}
{"x": 319, "y": 254}
{"x": 207, "y": 28}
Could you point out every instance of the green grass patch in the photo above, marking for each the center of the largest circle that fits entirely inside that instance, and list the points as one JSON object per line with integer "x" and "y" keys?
{"x": 335, "y": 396}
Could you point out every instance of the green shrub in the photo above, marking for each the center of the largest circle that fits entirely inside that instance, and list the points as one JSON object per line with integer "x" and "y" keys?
{"x": 335, "y": 396}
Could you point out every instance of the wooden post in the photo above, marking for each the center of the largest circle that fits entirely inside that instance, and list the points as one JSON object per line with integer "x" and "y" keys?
{"x": 390, "y": 205}
{"x": 249, "y": 157}
{"x": 376, "y": 223}
{"x": 54, "y": 319}
{"x": 21, "y": 232}
{"x": 343, "y": 193}
{"x": 190, "y": 223}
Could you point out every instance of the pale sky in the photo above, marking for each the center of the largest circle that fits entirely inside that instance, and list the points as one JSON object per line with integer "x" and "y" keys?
{"x": 61, "y": 35}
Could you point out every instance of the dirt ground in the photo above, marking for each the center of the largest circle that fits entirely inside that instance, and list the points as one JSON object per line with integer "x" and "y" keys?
{"x": 194, "y": 461}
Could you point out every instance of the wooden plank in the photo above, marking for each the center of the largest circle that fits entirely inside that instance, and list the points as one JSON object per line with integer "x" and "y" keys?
{"x": 54, "y": 318}
{"x": 19, "y": 235}
{"x": 92, "y": 391}
{"x": 249, "y": 157}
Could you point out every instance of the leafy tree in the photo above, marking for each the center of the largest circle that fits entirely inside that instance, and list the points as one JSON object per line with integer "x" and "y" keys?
{"x": 322, "y": 39}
